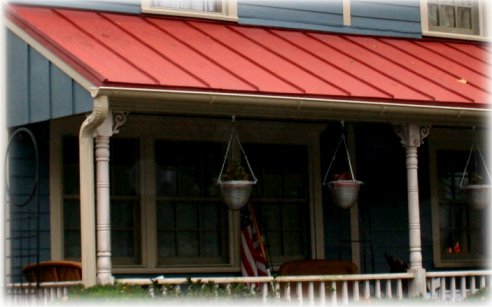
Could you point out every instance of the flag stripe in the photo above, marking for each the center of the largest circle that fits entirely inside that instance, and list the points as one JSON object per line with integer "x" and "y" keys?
{"x": 253, "y": 261}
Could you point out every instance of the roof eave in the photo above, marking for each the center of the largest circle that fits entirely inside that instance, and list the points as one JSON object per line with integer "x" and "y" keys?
{"x": 288, "y": 107}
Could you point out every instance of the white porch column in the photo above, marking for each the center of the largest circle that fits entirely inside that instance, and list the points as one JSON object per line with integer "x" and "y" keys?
{"x": 411, "y": 136}
{"x": 103, "y": 227}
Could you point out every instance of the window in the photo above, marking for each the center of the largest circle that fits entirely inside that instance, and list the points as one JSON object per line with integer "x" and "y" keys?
{"x": 167, "y": 214}
{"x": 191, "y": 218}
{"x": 125, "y": 210}
{"x": 460, "y": 231}
{"x": 281, "y": 199}
{"x": 212, "y": 9}
{"x": 454, "y": 18}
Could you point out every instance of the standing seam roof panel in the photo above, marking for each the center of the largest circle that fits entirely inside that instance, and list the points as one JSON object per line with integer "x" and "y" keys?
{"x": 157, "y": 52}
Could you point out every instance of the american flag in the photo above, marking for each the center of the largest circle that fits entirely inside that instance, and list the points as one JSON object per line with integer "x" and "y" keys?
{"x": 253, "y": 258}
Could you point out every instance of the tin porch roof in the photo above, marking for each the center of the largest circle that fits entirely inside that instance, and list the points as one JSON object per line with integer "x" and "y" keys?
{"x": 155, "y": 52}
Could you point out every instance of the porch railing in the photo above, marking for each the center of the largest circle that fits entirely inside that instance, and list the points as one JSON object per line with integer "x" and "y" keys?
{"x": 19, "y": 294}
{"x": 452, "y": 286}
{"x": 456, "y": 285}
{"x": 325, "y": 289}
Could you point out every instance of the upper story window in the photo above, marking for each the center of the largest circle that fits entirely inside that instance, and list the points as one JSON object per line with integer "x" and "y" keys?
{"x": 211, "y": 9}
{"x": 462, "y": 19}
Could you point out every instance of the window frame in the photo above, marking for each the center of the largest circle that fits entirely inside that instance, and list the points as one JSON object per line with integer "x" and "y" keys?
{"x": 447, "y": 139}
{"x": 228, "y": 13}
{"x": 188, "y": 129}
{"x": 482, "y": 34}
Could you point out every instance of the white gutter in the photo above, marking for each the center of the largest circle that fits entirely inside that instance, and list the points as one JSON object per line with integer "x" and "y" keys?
{"x": 87, "y": 198}
{"x": 301, "y": 107}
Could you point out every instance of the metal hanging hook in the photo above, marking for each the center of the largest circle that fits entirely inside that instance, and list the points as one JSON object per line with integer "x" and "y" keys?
{"x": 342, "y": 140}
{"x": 235, "y": 137}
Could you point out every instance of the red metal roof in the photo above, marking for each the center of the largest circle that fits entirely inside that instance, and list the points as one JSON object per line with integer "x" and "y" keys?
{"x": 143, "y": 51}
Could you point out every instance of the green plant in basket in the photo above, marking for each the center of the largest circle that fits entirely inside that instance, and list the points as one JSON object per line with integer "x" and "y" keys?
{"x": 235, "y": 171}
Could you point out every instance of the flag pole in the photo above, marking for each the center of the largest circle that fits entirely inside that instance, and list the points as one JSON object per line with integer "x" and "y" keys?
{"x": 254, "y": 221}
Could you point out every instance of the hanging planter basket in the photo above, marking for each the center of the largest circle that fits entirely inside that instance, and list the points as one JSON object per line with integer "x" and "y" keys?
{"x": 345, "y": 193}
{"x": 234, "y": 183}
{"x": 478, "y": 195}
{"x": 345, "y": 189}
{"x": 236, "y": 193}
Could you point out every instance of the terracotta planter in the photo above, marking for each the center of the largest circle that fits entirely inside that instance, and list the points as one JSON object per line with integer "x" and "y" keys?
{"x": 344, "y": 192}
{"x": 236, "y": 193}
{"x": 479, "y": 195}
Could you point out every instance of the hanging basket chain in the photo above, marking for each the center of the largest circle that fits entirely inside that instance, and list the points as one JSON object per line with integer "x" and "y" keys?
{"x": 231, "y": 138}
{"x": 342, "y": 140}
{"x": 474, "y": 143}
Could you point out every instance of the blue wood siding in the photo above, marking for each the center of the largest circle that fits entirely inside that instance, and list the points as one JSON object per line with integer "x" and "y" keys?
{"x": 17, "y": 89}
{"x": 396, "y": 18}
{"x": 36, "y": 89}
{"x": 24, "y": 231}
{"x": 121, "y": 6}
{"x": 388, "y": 18}
{"x": 368, "y": 17}
{"x": 312, "y": 15}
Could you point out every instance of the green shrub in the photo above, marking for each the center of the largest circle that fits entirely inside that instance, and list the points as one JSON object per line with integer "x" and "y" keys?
{"x": 116, "y": 292}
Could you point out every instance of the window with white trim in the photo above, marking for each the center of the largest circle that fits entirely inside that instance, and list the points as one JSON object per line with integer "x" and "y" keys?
{"x": 167, "y": 214}
{"x": 212, "y": 9}
{"x": 460, "y": 231}
{"x": 454, "y": 18}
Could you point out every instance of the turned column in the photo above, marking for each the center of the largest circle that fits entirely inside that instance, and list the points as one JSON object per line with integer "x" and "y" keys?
{"x": 103, "y": 222}
{"x": 411, "y": 136}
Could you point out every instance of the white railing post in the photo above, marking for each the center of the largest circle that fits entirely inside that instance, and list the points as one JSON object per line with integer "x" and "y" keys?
{"x": 311, "y": 292}
{"x": 389, "y": 292}
{"x": 463, "y": 287}
{"x": 453, "y": 289}
{"x": 322, "y": 293}
{"x": 367, "y": 290}
{"x": 299, "y": 292}
{"x": 473, "y": 288}
{"x": 334, "y": 293}
{"x": 443, "y": 288}
{"x": 356, "y": 291}
{"x": 345, "y": 295}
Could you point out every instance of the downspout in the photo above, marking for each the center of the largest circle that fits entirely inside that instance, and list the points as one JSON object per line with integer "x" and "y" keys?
{"x": 87, "y": 191}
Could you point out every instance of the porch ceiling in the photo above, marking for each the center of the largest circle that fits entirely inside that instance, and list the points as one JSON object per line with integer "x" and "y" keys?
{"x": 149, "y": 53}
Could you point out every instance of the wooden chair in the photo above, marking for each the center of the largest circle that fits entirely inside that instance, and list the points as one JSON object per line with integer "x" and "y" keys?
{"x": 319, "y": 267}
{"x": 53, "y": 271}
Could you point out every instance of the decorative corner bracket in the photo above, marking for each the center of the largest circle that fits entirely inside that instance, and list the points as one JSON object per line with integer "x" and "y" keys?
{"x": 119, "y": 119}
{"x": 412, "y": 135}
